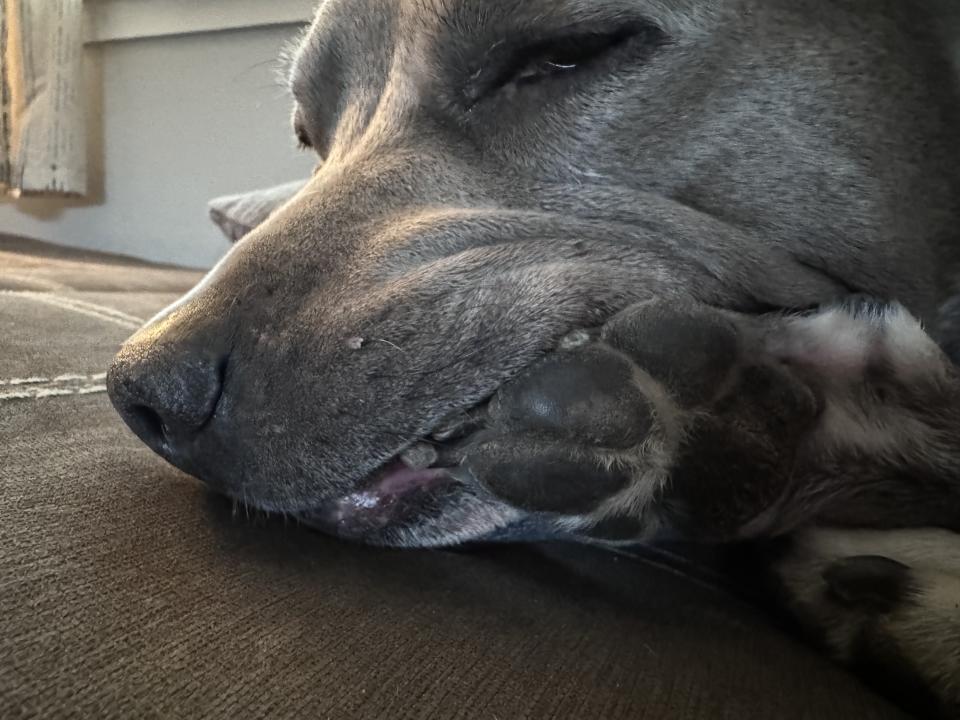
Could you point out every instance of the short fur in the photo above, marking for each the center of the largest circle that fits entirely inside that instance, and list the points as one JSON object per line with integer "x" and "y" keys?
{"x": 677, "y": 204}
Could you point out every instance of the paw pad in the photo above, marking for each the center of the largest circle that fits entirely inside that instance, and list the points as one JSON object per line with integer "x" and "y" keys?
{"x": 691, "y": 350}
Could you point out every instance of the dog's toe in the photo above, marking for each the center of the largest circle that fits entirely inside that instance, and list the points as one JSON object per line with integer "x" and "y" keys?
{"x": 543, "y": 476}
{"x": 691, "y": 348}
{"x": 584, "y": 395}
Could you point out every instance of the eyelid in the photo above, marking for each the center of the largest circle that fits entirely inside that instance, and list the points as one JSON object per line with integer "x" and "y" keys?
{"x": 303, "y": 140}
{"x": 506, "y": 59}
{"x": 300, "y": 130}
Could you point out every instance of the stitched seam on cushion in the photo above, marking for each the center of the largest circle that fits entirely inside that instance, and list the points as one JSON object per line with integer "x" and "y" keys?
{"x": 131, "y": 322}
{"x": 37, "y": 388}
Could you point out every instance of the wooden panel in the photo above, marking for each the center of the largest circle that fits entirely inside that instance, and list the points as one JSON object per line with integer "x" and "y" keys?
{"x": 128, "y": 19}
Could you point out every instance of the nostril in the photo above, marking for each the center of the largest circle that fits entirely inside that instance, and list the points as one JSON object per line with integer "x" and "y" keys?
{"x": 168, "y": 394}
{"x": 148, "y": 424}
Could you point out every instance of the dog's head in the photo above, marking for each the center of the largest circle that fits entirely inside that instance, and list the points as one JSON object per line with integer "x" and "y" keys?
{"x": 492, "y": 175}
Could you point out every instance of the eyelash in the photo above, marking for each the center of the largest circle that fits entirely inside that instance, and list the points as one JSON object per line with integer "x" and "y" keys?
{"x": 557, "y": 57}
{"x": 303, "y": 140}
{"x": 543, "y": 60}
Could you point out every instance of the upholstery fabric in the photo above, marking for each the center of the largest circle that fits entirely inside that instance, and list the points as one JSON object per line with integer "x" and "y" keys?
{"x": 237, "y": 215}
{"x": 128, "y": 591}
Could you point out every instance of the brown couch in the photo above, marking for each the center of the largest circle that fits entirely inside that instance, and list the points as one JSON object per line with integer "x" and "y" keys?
{"x": 127, "y": 591}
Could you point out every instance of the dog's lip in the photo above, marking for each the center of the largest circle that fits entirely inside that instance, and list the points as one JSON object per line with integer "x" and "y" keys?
{"x": 390, "y": 496}
{"x": 407, "y": 482}
{"x": 396, "y": 479}
{"x": 399, "y": 487}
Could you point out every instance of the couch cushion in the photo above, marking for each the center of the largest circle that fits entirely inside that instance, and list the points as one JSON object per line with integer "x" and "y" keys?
{"x": 237, "y": 215}
{"x": 128, "y": 591}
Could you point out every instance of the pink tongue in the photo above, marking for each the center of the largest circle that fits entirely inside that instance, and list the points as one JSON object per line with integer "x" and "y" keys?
{"x": 397, "y": 479}
{"x": 377, "y": 505}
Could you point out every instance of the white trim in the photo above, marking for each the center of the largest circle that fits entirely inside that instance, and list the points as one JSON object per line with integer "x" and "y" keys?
{"x": 35, "y": 388}
{"x": 100, "y": 312}
{"x": 49, "y": 392}
{"x": 59, "y": 379}
{"x": 109, "y": 20}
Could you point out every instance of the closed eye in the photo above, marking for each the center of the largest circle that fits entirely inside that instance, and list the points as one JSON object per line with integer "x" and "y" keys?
{"x": 560, "y": 56}
{"x": 300, "y": 130}
{"x": 303, "y": 139}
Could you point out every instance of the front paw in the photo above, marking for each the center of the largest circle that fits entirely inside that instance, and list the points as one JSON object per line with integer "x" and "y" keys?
{"x": 562, "y": 437}
{"x": 657, "y": 409}
{"x": 588, "y": 393}
{"x": 593, "y": 430}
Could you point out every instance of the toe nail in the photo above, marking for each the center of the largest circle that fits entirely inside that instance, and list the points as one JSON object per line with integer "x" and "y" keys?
{"x": 419, "y": 456}
{"x": 575, "y": 340}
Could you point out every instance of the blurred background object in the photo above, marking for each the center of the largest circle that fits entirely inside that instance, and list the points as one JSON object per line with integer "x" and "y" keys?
{"x": 42, "y": 136}
{"x": 181, "y": 102}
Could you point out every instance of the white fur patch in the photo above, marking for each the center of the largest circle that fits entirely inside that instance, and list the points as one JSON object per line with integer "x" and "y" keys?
{"x": 928, "y": 548}
{"x": 832, "y": 341}
{"x": 924, "y": 630}
{"x": 836, "y": 348}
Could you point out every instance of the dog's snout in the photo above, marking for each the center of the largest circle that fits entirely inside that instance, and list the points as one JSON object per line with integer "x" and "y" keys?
{"x": 166, "y": 392}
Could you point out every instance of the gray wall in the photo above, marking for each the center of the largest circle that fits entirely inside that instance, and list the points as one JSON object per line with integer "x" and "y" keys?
{"x": 176, "y": 121}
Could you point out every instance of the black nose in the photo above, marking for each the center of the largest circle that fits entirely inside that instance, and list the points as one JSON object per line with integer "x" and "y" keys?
{"x": 167, "y": 392}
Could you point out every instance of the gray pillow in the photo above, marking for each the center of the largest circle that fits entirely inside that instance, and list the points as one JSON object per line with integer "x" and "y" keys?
{"x": 237, "y": 215}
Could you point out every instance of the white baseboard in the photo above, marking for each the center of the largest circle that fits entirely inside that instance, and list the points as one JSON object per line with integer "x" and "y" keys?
{"x": 110, "y": 20}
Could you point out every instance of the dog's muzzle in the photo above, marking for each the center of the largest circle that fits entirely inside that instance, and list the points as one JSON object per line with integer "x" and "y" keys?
{"x": 167, "y": 393}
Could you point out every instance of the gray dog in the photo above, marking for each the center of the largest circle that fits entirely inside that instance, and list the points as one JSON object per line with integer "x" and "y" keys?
{"x": 597, "y": 269}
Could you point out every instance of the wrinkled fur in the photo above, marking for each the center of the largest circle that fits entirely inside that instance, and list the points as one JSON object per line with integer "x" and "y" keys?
{"x": 738, "y": 162}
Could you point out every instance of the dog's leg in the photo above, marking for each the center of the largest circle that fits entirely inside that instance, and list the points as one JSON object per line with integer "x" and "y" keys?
{"x": 724, "y": 426}
{"x": 886, "y": 603}
{"x": 719, "y": 426}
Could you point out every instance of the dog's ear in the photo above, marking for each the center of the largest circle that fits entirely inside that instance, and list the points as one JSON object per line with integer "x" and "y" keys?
{"x": 237, "y": 215}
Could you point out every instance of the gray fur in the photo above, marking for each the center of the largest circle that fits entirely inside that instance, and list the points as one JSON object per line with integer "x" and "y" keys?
{"x": 737, "y": 159}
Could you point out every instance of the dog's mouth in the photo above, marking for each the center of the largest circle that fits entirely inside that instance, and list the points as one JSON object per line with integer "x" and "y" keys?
{"x": 409, "y": 487}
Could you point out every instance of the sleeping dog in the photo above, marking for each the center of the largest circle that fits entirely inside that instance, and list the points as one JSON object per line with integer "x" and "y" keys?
{"x": 602, "y": 270}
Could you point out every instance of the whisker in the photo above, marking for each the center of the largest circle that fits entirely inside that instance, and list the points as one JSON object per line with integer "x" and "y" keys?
{"x": 387, "y": 342}
{"x": 269, "y": 61}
